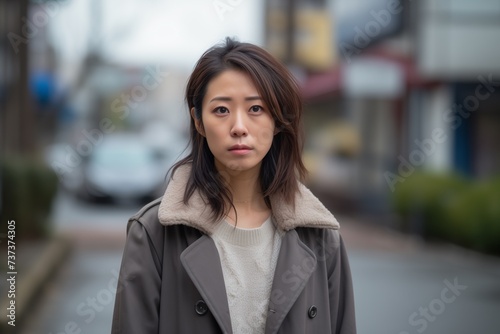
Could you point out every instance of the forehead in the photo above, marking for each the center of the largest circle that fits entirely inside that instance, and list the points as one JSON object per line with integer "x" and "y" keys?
{"x": 231, "y": 82}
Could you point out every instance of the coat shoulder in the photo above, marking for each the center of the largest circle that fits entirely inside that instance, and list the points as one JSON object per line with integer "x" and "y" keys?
{"x": 160, "y": 235}
{"x": 313, "y": 236}
{"x": 147, "y": 216}
{"x": 147, "y": 212}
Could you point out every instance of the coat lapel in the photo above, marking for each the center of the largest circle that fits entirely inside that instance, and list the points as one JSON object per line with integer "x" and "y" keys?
{"x": 201, "y": 262}
{"x": 296, "y": 263}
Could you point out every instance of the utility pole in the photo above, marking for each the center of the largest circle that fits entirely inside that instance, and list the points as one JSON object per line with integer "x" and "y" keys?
{"x": 17, "y": 124}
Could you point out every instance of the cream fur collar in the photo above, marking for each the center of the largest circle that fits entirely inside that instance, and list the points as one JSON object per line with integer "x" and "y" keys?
{"x": 309, "y": 211}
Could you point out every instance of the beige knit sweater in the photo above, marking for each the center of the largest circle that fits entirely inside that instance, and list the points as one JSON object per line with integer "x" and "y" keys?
{"x": 248, "y": 258}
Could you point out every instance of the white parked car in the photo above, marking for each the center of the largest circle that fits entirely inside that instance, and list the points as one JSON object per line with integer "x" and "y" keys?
{"x": 124, "y": 167}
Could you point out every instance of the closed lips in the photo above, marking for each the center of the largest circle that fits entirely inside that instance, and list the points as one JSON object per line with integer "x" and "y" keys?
{"x": 239, "y": 147}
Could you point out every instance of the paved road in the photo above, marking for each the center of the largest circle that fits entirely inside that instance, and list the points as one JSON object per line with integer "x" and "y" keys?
{"x": 426, "y": 292}
{"x": 71, "y": 215}
{"x": 401, "y": 286}
{"x": 81, "y": 297}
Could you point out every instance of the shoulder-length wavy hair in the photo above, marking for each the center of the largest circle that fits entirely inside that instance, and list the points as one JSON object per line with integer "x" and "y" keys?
{"x": 282, "y": 167}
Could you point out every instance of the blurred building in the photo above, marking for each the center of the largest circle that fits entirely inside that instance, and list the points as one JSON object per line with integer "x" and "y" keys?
{"x": 392, "y": 86}
{"x": 16, "y": 118}
{"x": 458, "y": 43}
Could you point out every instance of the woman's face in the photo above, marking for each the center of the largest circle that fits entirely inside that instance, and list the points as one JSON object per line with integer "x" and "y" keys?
{"x": 236, "y": 122}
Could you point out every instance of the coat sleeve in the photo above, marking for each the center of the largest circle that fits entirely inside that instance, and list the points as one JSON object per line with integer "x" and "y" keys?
{"x": 138, "y": 290}
{"x": 341, "y": 293}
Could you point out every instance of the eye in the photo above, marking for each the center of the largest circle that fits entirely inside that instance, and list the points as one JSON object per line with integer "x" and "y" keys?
{"x": 256, "y": 109}
{"x": 221, "y": 110}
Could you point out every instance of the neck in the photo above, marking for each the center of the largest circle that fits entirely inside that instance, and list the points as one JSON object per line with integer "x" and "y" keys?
{"x": 247, "y": 195}
{"x": 244, "y": 186}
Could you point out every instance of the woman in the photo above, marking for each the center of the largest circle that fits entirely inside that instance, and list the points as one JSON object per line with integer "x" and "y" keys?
{"x": 237, "y": 244}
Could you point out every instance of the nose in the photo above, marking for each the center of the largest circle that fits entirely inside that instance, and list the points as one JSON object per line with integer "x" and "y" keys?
{"x": 239, "y": 128}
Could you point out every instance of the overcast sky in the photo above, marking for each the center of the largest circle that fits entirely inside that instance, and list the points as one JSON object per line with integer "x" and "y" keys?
{"x": 137, "y": 32}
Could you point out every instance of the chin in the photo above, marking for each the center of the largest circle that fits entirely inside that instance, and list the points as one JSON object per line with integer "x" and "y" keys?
{"x": 240, "y": 166}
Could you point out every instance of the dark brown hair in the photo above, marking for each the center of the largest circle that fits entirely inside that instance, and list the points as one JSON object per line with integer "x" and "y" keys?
{"x": 282, "y": 166}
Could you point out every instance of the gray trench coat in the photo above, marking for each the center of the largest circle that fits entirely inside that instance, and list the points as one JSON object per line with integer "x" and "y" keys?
{"x": 171, "y": 278}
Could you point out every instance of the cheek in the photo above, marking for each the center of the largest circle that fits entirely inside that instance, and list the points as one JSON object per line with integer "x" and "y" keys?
{"x": 265, "y": 134}
{"x": 214, "y": 138}
{"x": 212, "y": 132}
{"x": 265, "y": 137}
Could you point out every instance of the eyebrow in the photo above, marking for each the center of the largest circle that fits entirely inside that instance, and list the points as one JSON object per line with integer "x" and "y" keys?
{"x": 227, "y": 98}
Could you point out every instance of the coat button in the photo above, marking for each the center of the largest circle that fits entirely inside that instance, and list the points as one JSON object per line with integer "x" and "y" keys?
{"x": 201, "y": 307}
{"x": 312, "y": 312}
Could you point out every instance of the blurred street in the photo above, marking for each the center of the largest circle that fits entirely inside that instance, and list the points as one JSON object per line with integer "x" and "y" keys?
{"x": 398, "y": 280}
{"x": 401, "y": 118}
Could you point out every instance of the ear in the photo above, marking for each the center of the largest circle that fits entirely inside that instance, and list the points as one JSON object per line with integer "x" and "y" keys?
{"x": 277, "y": 130}
{"x": 197, "y": 122}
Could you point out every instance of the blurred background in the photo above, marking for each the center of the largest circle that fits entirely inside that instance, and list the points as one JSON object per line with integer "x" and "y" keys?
{"x": 402, "y": 120}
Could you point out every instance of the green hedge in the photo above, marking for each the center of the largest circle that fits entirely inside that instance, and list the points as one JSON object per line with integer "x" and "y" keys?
{"x": 474, "y": 216}
{"x": 28, "y": 190}
{"x": 453, "y": 208}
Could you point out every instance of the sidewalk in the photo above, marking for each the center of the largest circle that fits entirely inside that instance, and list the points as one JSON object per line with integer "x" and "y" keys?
{"x": 80, "y": 298}
{"x": 36, "y": 263}
{"x": 361, "y": 234}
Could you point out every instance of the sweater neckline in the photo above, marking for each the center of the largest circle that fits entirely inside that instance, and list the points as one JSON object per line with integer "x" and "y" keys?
{"x": 245, "y": 236}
